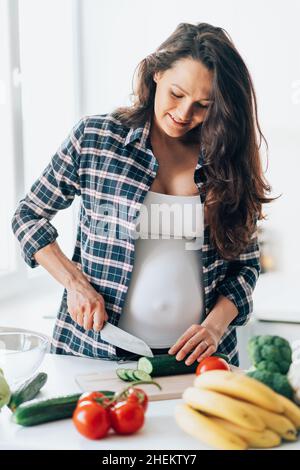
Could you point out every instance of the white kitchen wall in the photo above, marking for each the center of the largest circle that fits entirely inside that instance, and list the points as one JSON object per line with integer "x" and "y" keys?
{"x": 48, "y": 93}
{"x": 118, "y": 34}
{"x": 39, "y": 102}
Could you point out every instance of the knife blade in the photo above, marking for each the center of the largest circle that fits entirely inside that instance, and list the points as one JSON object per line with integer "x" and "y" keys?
{"x": 118, "y": 337}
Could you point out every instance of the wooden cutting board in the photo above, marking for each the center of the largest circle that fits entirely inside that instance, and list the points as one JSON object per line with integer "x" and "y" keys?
{"x": 173, "y": 386}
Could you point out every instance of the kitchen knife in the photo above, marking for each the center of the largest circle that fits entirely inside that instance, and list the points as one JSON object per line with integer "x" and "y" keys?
{"x": 114, "y": 335}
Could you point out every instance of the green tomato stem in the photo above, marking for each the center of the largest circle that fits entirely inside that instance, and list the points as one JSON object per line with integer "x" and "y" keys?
{"x": 123, "y": 392}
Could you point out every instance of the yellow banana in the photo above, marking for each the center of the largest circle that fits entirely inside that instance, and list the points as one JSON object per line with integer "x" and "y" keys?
{"x": 204, "y": 429}
{"x": 276, "y": 422}
{"x": 240, "y": 386}
{"x": 222, "y": 406}
{"x": 258, "y": 439}
{"x": 291, "y": 410}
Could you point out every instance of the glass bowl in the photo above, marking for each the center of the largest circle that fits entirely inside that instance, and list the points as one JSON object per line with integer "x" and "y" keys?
{"x": 21, "y": 353}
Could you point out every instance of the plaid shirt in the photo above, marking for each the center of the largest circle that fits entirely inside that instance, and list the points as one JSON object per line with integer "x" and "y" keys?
{"x": 105, "y": 162}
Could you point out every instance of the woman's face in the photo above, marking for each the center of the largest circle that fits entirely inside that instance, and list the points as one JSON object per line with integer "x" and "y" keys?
{"x": 182, "y": 94}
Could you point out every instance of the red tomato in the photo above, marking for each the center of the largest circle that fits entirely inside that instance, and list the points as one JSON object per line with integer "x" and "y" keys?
{"x": 212, "y": 363}
{"x": 139, "y": 396}
{"x": 91, "y": 419}
{"x": 91, "y": 396}
{"x": 127, "y": 417}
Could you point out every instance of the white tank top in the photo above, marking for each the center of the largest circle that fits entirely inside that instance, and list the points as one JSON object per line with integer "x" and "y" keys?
{"x": 165, "y": 295}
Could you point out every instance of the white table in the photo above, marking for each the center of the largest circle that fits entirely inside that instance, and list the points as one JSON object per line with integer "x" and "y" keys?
{"x": 160, "y": 430}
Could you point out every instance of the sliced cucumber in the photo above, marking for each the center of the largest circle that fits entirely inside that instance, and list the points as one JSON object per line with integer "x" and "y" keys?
{"x": 121, "y": 373}
{"x": 133, "y": 375}
{"x": 130, "y": 376}
{"x": 141, "y": 375}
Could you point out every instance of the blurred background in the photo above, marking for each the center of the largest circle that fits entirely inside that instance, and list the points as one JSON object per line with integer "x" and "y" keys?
{"x": 62, "y": 59}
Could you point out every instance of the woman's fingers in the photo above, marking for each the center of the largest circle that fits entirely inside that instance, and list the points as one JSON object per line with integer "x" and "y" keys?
{"x": 198, "y": 341}
{"x": 88, "y": 311}
{"x": 209, "y": 351}
{"x": 88, "y": 323}
{"x": 187, "y": 341}
{"x": 190, "y": 345}
{"x": 72, "y": 311}
{"x": 99, "y": 317}
{"x": 88, "y": 317}
{"x": 80, "y": 316}
{"x": 201, "y": 348}
{"x": 73, "y": 314}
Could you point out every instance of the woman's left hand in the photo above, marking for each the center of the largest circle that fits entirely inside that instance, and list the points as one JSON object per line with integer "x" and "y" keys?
{"x": 200, "y": 340}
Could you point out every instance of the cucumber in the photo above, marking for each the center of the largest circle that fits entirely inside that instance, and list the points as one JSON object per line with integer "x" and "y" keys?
{"x": 141, "y": 375}
{"x": 40, "y": 411}
{"x": 28, "y": 390}
{"x": 166, "y": 364}
{"x": 121, "y": 373}
{"x": 222, "y": 356}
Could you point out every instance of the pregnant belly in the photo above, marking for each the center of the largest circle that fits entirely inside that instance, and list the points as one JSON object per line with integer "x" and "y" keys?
{"x": 165, "y": 293}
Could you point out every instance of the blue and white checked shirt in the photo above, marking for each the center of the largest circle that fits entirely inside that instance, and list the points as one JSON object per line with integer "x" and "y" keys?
{"x": 109, "y": 164}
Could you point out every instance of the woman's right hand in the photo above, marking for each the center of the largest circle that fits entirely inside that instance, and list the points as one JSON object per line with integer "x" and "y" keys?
{"x": 86, "y": 306}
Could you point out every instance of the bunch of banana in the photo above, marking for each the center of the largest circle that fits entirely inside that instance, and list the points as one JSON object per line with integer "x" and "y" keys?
{"x": 206, "y": 430}
{"x": 229, "y": 410}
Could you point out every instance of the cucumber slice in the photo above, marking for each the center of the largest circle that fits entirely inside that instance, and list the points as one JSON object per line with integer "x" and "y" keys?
{"x": 145, "y": 365}
{"x": 122, "y": 374}
{"x": 141, "y": 375}
{"x": 130, "y": 376}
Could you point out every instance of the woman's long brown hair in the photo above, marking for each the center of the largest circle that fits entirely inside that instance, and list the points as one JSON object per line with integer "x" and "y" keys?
{"x": 234, "y": 180}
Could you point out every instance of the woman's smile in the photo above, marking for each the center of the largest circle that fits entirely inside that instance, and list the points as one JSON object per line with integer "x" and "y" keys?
{"x": 173, "y": 122}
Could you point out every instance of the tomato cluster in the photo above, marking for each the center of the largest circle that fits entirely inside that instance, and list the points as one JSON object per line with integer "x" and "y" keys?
{"x": 96, "y": 414}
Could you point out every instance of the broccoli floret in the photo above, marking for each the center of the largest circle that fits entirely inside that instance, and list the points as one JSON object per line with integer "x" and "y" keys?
{"x": 270, "y": 353}
{"x": 278, "y": 382}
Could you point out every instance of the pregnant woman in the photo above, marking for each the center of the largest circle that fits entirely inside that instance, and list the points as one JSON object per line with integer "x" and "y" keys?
{"x": 171, "y": 189}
